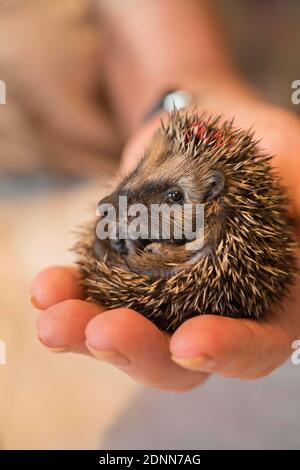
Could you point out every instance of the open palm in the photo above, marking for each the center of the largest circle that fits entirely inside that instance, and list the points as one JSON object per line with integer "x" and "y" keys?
{"x": 205, "y": 344}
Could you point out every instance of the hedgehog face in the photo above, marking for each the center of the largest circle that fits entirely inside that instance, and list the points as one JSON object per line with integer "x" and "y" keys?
{"x": 187, "y": 201}
{"x": 245, "y": 260}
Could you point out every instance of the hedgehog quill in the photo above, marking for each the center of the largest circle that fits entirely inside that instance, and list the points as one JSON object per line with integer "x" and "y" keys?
{"x": 242, "y": 262}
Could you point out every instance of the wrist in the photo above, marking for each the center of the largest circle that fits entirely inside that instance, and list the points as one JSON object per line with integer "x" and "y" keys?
{"x": 158, "y": 46}
{"x": 203, "y": 91}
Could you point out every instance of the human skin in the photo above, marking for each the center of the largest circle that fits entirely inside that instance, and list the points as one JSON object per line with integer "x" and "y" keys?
{"x": 239, "y": 348}
{"x": 246, "y": 349}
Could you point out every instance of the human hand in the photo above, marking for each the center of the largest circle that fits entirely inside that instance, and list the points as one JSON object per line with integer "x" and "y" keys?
{"x": 231, "y": 347}
{"x": 242, "y": 348}
{"x": 121, "y": 336}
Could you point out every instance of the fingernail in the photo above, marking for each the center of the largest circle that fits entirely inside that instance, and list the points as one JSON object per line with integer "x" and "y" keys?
{"x": 203, "y": 363}
{"x": 34, "y": 302}
{"x": 113, "y": 357}
{"x": 59, "y": 349}
{"x": 56, "y": 350}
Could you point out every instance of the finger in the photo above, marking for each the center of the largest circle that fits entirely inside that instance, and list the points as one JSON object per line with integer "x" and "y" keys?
{"x": 238, "y": 347}
{"x": 54, "y": 285}
{"x": 231, "y": 347}
{"x": 61, "y": 328}
{"x": 132, "y": 343}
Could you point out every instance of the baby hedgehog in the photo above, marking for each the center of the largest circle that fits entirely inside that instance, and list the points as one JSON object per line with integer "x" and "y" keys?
{"x": 237, "y": 262}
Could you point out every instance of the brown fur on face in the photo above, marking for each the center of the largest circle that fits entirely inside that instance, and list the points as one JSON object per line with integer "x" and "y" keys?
{"x": 148, "y": 184}
{"x": 247, "y": 260}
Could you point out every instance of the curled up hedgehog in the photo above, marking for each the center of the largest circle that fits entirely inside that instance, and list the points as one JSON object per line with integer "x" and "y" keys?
{"x": 237, "y": 263}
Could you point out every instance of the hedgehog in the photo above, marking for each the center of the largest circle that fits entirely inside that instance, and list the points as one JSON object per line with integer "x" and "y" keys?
{"x": 238, "y": 262}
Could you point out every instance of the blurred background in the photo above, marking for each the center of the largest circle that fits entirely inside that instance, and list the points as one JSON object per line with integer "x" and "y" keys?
{"x": 59, "y": 149}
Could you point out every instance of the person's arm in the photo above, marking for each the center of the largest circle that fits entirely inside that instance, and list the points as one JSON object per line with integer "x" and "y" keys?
{"x": 157, "y": 45}
{"x": 206, "y": 343}
{"x": 231, "y": 347}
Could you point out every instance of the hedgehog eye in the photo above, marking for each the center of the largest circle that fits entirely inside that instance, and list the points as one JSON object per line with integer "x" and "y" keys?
{"x": 216, "y": 183}
{"x": 174, "y": 195}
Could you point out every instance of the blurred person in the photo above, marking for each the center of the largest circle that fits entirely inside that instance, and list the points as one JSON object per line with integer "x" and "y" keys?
{"x": 161, "y": 51}
{"x": 51, "y": 58}
{"x": 157, "y": 46}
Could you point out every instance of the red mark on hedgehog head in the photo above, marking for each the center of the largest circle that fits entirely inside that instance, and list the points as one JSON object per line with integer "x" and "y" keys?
{"x": 201, "y": 131}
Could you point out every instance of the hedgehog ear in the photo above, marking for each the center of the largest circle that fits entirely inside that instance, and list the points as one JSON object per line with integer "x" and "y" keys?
{"x": 215, "y": 185}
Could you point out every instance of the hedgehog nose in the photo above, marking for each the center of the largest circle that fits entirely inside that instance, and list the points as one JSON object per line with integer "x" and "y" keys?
{"x": 111, "y": 242}
{"x": 119, "y": 246}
